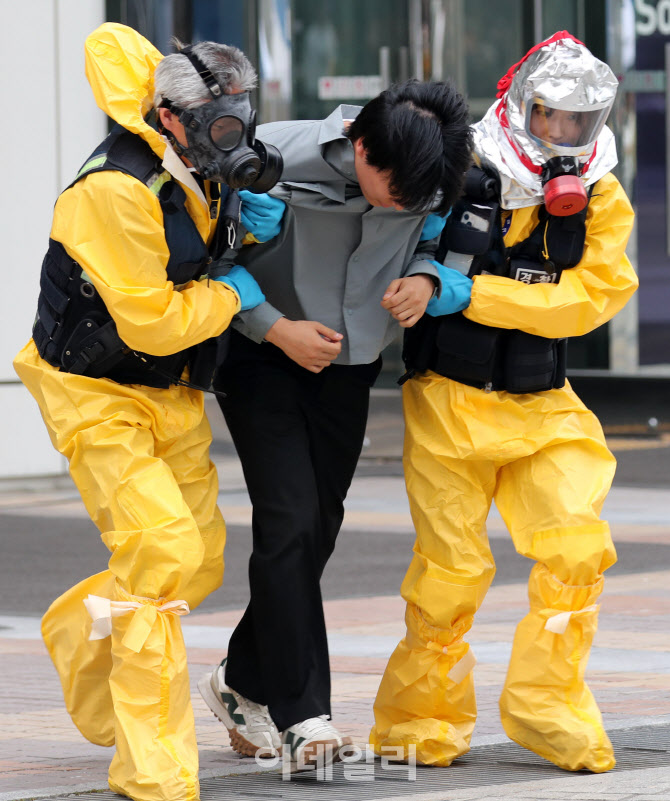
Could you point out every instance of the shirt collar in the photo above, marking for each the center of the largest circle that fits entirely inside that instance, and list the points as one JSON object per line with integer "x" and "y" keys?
{"x": 337, "y": 150}
{"x": 177, "y": 169}
{"x": 339, "y": 155}
{"x": 333, "y": 126}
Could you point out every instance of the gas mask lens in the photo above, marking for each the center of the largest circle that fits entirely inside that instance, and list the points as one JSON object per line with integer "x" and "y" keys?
{"x": 227, "y": 132}
{"x": 222, "y": 145}
{"x": 557, "y": 127}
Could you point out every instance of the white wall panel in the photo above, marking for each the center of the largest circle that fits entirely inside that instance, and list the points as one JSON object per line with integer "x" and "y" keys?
{"x": 54, "y": 125}
{"x": 26, "y": 448}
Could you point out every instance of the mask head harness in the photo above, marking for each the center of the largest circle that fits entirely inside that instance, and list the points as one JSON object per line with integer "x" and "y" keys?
{"x": 221, "y": 137}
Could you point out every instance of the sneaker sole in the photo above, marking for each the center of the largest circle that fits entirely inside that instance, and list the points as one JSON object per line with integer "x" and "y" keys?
{"x": 242, "y": 746}
{"x": 238, "y": 742}
{"x": 321, "y": 753}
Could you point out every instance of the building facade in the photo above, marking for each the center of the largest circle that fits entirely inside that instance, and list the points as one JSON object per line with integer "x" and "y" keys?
{"x": 314, "y": 54}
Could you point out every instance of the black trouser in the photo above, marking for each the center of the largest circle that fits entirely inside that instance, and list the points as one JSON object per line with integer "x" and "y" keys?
{"x": 298, "y": 436}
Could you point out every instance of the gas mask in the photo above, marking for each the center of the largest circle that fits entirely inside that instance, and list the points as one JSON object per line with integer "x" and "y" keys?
{"x": 221, "y": 138}
{"x": 558, "y": 80}
{"x": 563, "y": 134}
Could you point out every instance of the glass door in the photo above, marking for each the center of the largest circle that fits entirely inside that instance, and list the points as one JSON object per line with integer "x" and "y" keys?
{"x": 346, "y": 51}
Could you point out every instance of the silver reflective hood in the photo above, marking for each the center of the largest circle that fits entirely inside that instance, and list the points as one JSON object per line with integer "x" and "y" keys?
{"x": 561, "y": 74}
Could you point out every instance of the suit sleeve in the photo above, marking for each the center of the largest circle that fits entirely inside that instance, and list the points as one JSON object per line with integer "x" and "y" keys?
{"x": 112, "y": 225}
{"x": 587, "y": 295}
{"x": 421, "y": 261}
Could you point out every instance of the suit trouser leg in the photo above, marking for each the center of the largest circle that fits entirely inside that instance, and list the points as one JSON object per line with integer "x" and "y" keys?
{"x": 299, "y": 436}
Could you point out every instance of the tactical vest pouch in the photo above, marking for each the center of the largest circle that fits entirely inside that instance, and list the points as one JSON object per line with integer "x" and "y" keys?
{"x": 151, "y": 371}
{"x": 471, "y": 227}
{"x": 532, "y": 363}
{"x": 419, "y": 346}
{"x": 93, "y": 349}
{"x": 203, "y": 361}
{"x": 467, "y": 351}
{"x": 486, "y": 357}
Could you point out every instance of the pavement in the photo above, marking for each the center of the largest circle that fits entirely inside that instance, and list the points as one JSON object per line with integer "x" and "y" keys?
{"x": 42, "y": 755}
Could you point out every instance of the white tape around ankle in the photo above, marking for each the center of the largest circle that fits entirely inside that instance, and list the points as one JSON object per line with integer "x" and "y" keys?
{"x": 558, "y": 623}
{"x": 102, "y": 610}
{"x": 461, "y": 669}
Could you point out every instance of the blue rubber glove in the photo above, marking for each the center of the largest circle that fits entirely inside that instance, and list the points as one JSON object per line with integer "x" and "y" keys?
{"x": 245, "y": 285}
{"x": 433, "y": 226}
{"x": 456, "y": 289}
{"x": 261, "y": 214}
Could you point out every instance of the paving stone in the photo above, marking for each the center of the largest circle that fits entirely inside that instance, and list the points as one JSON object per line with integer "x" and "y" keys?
{"x": 42, "y": 750}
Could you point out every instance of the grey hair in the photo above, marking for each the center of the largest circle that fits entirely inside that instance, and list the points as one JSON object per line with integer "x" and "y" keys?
{"x": 178, "y": 80}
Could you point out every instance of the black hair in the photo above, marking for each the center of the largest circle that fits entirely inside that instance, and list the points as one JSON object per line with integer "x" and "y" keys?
{"x": 419, "y": 132}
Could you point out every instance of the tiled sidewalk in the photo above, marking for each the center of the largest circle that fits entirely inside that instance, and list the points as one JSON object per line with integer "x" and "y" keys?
{"x": 43, "y": 754}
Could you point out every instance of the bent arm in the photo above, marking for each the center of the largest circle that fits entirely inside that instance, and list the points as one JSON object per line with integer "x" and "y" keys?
{"x": 587, "y": 295}
{"x": 112, "y": 225}
{"x": 256, "y": 323}
{"x": 422, "y": 262}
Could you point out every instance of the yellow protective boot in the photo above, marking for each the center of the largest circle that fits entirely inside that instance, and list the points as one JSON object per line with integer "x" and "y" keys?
{"x": 545, "y": 704}
{"x": 83, "y": 665}
{"x": 426, "y": 697}
{"x": 156, "y": 755}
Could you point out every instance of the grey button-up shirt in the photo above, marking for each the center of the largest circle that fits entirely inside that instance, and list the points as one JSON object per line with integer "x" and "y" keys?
{"x": 336, "y": 254}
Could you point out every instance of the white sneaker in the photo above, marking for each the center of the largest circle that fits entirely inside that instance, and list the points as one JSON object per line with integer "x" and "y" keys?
{"x": 313, "y": 742}
{"x": 249, "y": 724}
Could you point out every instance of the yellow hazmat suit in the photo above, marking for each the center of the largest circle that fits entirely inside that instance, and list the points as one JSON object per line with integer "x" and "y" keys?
{"x": 138, "y": 455}
{"x": 544, "y": 459}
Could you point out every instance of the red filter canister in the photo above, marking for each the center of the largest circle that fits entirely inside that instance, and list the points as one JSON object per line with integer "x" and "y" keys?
{"x": 564, "y": 195}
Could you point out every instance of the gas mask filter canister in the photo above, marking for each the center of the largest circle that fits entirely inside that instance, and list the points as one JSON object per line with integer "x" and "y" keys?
{"x": 564, "y": 192}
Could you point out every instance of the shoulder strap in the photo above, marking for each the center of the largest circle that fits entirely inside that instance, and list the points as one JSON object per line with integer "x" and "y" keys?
{"x": 129, "y": 153}
{"x": 482, "y": 185}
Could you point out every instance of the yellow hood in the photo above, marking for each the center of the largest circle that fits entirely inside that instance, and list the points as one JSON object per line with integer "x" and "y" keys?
{"x": 120, "y": 66}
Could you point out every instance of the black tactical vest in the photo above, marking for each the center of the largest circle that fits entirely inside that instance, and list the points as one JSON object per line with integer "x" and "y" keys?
{"x": 484, "y": 356}
{"x": 73, "y": 329}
